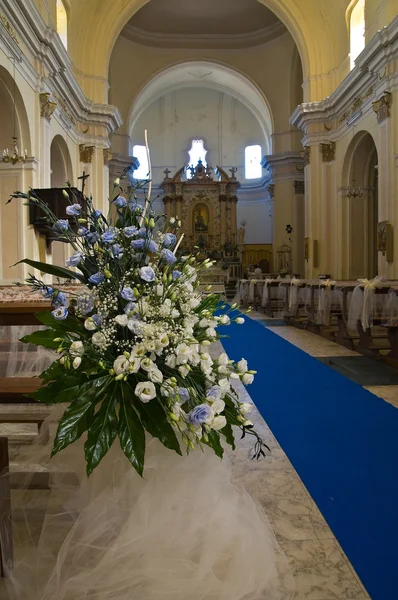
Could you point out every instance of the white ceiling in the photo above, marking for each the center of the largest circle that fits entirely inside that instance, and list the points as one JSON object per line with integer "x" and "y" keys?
{"x": 203, "y": 17}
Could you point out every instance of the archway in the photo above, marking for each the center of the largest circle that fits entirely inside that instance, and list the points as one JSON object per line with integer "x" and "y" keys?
{"x": 360, "y": 170}
{"x": 211, "y": 75}
{"x": 12, "y": 220}
{"x": 61, "y": 172}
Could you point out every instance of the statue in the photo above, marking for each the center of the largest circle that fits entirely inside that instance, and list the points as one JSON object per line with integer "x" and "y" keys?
{"x": 241, "y": 235}
{"x": 200, "y": 222}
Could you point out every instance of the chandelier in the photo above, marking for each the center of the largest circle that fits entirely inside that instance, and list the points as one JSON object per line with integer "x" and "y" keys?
{"x": 353, "y": 191}
{"x": 15, "y": 157}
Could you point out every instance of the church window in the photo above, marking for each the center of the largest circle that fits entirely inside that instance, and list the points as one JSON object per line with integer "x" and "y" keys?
{"x": 197, "y": 153}
{"x": 62, "y": 23}
{"x": 143, "y": 171}
{"x": 253, "y": 168}
{"x": 357, "y": 31}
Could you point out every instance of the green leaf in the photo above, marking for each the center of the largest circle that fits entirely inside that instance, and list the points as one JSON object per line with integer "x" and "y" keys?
{"x": 131, "y": 432}
{"x": 214, "y": 442}
{"x": 42, "y": 338}
{"x": 65, "y": 389}
{"x": 102, "y": 432}
{"x": 69, "y": 324}
{"x": 75, "y": 422}
{"x": 52, "y": 270}
{"x": 229, "y": 435}
{"x": 153, "y": 418}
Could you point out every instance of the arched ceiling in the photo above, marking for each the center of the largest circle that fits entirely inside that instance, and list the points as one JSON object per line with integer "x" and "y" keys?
{"x": 229, "y": 22}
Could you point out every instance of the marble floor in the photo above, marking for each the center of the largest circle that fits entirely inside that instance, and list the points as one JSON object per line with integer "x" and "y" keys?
{"x": 312, "y": 564}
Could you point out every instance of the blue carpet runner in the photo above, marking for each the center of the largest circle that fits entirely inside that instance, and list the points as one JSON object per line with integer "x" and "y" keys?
{"x": 341, "y": 439}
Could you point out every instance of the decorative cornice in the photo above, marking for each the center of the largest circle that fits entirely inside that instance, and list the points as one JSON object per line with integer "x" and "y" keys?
{"x": 212, "y": 41}
{"x": 299, "y": 187}
{"x": 328, "y": 151}
{"x": 47, "y": 106}
{"x": 350, "y": 100}
{"x": 5, "y": 23}
{"x": 86, "y": 153}
{"x": 382, "y": 107}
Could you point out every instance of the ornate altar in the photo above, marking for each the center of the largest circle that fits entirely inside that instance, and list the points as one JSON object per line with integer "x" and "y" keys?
{"x": 206, "y": 206}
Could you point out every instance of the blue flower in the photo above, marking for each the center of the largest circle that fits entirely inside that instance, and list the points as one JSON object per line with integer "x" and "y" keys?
{"x": 137, "y": 244}
{"x": 130, "y": 231}
{"x": 142, "y": 232}
{"x": 74, "y": 210}
{"x": 199, "y": 415}
{"x": 97, "y": 278}
{"x": 152, "y": 246}
{"x": 47, "y": 292}
{"x": 74, "y": 260}
{"x": 61, "y": 225}
{"x": 60, "y": 313}
{"x": 176, "y": 275}
{"x": 168, "y": 256}
{"x": 97, "y": 320}
{"x": 147, "y": 274}
{"x": 117, "y": 251}
{"x": 97, "y": 213}
{"x": 92, "y": 238}
{"x": 214, "y": 392}
{"x": 85, "y": 304}
{"x": 184, "y": 394}
{"x": 60, "y": 299}
{"x": 108, "y": 237}
{"x": 82, "y": 231}
{"x": 169, "y": 240}
{"x": 133, "y": 205}
{"x": 129, "y": 307}
{"x": 128, "y": 294}
{"x": 120, "y": 202}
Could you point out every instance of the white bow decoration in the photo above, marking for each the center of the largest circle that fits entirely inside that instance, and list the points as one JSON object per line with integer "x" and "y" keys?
{"x": 369, "y": 287}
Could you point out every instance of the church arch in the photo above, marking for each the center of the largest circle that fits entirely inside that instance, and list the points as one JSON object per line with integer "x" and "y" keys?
{"x": 214, "y": 76}
{"x": 360, "y": 169}
{"x": 60, "y": 161}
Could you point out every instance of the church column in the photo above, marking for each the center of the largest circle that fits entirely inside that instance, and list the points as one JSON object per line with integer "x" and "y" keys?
{"x": 223, "y": 228}
{"x": 298, "y": 233}
{"x": 284, "y": 169}
{"x": 234, "y": 202}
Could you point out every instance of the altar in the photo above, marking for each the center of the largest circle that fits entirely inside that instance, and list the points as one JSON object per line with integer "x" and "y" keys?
{"x": 206, "y": 206}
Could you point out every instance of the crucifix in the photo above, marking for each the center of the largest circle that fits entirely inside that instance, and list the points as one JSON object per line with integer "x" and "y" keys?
{"x": 167, "y": 172}
{"x": 233, "y": 171}
{"x": 83, "y": 178}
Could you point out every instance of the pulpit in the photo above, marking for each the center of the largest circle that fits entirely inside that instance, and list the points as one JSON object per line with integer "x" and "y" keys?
{"x": 205, "y": 201}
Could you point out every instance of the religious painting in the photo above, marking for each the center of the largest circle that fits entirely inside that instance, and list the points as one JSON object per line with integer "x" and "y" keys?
{"x": 201, "y": 219}
{"x": 385, "y": 239}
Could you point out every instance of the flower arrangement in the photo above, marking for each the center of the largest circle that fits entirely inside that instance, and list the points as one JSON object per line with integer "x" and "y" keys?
{"x": 133, "y": 339}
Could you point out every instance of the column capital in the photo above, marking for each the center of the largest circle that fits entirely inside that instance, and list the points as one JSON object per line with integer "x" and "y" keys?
{"x": 382, "y": 107}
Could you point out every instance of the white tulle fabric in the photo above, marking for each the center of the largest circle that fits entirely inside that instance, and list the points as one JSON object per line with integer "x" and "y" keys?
{"x": 365, "y": 305}
{"x": 23, "y": 360}
{"x": 184, "y": 532}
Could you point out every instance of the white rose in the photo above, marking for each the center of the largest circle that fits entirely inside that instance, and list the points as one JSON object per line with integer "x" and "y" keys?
{"x": 203, "y": 323}
{"x": 135, "y": 364}
{"x": 76, "y": 363}
{"x": 234, "y": 376}
{"x": 147, "y": 364}
{"x": 223, "y": 370}
{"x": 239, "y": 320}
{"x": 145, "y": 391}
{"x": 225, "y": 320}
{"x": 218, "y": 406}
{"x": 183, "y": 354}
{"x": 155, "y": 375}
{"x": 122, "y": 320}
{"x": 171, "y": 361}
{"x": 223, "y": 359}
{"x": 247, "y": 378}
{"x": 225, "y": 387}
{"x": 98, "y": 339}
{"x": 89, "y": 324}
{"x": 76, "y": 348}
{"x": 184, "y": 370}
{"x": 242, "y": 366}
{"x": 194, "y": 302}
{"x": 219, "y": 423}
{"x": 245, "y": 408}
{"x": 164, "y": 340}
{"x": 121, "y": 365}
{"x": 175, "y": 313}
{"x": 211, "y": 333}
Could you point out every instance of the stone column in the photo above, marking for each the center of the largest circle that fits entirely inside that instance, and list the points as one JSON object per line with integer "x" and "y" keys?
{"x": 284, "y": 169}
{"x": 234, "y": 202}
{"x": 298, "y": 224}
